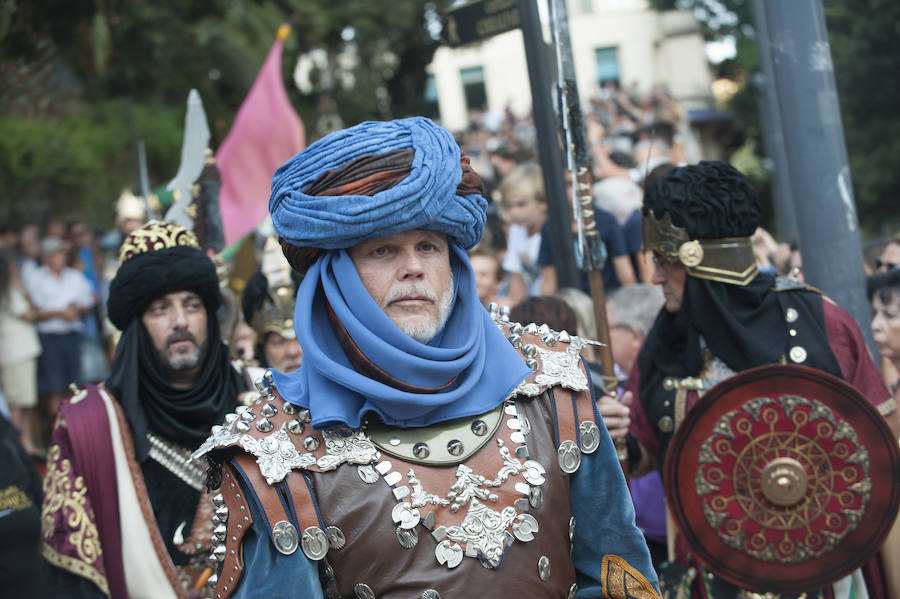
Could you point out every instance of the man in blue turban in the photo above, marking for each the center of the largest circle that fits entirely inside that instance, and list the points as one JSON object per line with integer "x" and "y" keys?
{"x": 425, "y": 448}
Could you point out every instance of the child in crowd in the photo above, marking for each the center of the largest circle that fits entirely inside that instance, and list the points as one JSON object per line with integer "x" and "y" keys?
{"x": 488, "y": 276}
{"x": 525, "y": 207}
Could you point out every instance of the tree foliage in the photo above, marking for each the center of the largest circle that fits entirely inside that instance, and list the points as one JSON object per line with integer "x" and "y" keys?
{"x": 81, "y": 84}
{"x": 865, "y": 48}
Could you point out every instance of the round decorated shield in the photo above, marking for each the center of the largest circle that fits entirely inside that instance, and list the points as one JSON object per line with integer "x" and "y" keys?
{"x": 783, "y": 479}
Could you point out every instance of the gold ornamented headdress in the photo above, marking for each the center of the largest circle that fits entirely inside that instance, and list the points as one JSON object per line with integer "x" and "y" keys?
{"x": 727, "y": 260}
{"x": 155, "y": 235}
{"x": 276, "y": 316}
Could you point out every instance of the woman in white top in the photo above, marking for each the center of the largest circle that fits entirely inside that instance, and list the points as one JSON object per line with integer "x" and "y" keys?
{"x": 19, "y": 350}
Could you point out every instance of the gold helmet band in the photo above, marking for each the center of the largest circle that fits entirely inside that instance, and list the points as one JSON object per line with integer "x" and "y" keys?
{"x": 276, "y": 316}
{"x": 726, "y": 260}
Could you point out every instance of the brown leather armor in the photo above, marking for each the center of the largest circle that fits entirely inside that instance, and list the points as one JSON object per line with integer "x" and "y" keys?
{"x": 392, "y": 524}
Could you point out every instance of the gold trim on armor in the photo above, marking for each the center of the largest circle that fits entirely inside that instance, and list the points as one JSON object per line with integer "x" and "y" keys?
{"x": 402, "y": 442}
{"x": 621, "y": 580}
{"x": 726, "y": 260}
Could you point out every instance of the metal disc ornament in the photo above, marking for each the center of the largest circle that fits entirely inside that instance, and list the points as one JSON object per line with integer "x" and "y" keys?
{"x": 783, "y": 479}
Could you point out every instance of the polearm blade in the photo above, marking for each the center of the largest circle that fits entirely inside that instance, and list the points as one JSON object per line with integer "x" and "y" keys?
{"x": 591, "y": 249}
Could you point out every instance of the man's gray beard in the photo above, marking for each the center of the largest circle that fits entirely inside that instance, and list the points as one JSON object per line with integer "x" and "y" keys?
{"x": 423, "y": 332}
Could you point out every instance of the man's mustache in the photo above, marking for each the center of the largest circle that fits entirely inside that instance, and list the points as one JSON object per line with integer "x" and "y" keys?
{"x": 177, "y": 336}
{"x": 410, "y": 291}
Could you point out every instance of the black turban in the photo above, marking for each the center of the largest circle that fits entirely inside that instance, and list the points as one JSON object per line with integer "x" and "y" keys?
{"x": 710, "y": 199}
{"x": 147, "y": 276}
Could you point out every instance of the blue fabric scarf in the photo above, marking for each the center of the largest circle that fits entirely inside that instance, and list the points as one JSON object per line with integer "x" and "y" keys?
{"x": 335, "y": 393}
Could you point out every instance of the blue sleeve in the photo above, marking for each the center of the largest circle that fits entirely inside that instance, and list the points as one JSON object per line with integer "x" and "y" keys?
{"x": 632, "y": 232}
{"x": 611, "y": 232}
{"x": 268, "y": 572}
{"x": 604, "y": 520}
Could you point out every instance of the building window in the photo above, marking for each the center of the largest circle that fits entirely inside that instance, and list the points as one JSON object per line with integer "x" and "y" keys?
{"x": 432, "y": 110}
{"x": 473, "y": 88}
{"x": 607, "y": 65}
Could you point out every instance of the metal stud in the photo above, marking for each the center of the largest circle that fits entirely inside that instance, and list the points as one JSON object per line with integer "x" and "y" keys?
{"x": 265, "y": 425}
{"x": 268, "y": 410}
{"x": 797, "y": 354}
{"x": 531, "y": 328}
{"x": 504, "y": 313}
{"x": 303, "y": 415}
{"x": 589, "y": 436}
{"x": 229, "y": 418}
{"x": 261, "y": 386}
{"x": 455, "y": 447}
{"x": 536, "y": 497}
{"x": 666, "y": 424}
{"x": 550, "y": 339}
{"x": 394, "y": 441}
{"x": 530, "y": 350}
{"x": 524, "y": 527}
{"x": 564, "y": 336}
{"x": 448, "y": 553}
{"x": 517, "y": 329}
{"x": 544, "y": 329}
{"x": 430, "y": 594}
{"x": 572, "y": 590}
{"x": 314, "y": 543}
{"x": 367, "y": 473}
{"x": 268, "y": 377}
{"x": 569, "y": 456}
{"x": 295, "y": 427}
{"x": 222, "y": 513}
{"x": 792, "y": 332}
{"x": 544, "y": 568}
{"x": 480, "y": 428}
{"x": 219, "y": 552}
{"x": 212, "y": 562}
{"x": 216, "y": 429}
{"x": 285, "y": 537}
{"x": 219, "y": 501}
{"x": 289, "y": 408}
{"x": 791, "y": 315}
{"x": 212, "y": 581}
{"x": 405, "y": 516}
{"x": 245, "y": 413}
{"x": 242, "y": 426}
{"x": 407, "y": 537}
{"x": 311, "y": 443}
{"x": 363, "y": 591}
{"x": 494, "y": 310}
{"x": 532, "y": 364}
{"x": 421, "y": 450}
{"x": 336, "y": 538}
{"x": 516, "y": 341}
{"x": 220, "y": 531}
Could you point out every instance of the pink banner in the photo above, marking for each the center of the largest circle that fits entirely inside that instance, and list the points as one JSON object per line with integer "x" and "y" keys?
{"x": 266, "y": 132}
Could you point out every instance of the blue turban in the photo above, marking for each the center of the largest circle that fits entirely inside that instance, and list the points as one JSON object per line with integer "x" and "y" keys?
{"x": 426, "y": 199}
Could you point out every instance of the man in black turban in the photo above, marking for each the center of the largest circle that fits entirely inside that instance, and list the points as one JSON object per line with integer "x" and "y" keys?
{"x": 118, "y": 489}
{"x": 722, "y": 315}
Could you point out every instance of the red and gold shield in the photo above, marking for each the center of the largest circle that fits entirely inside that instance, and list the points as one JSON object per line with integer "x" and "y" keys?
{"x": 783, "y": 479}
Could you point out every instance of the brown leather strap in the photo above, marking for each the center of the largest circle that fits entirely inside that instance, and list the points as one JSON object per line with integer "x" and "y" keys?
{"x": 570, "y": 414}
{"x": 301, "y": 496}
{"x": 266, "y": 494}
{"x": 239, "y": 522}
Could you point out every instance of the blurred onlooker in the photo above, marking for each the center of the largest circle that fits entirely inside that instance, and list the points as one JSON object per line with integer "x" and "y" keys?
{"x": 890, "y": 257}
{"x": 525, "y": 205}
{"x": 872, "y": 254}
{"x": 55, "y": 228}
{"x": 19, "y": 350}
{"x": 884, "y": 295}
{"x": 94, "y": 361}
{"x": 488, "y": 276}
{"x": 621, "y": 197}
{"x": 29, "y": 251}
{"x": 9, "y": 236}
{"x": 632, "y": 311}
{"x": 61, "y": 295}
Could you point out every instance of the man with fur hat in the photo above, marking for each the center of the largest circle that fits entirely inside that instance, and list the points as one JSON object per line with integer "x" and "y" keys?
{"x": 722, "y": 316}
{"x": 125, "y": 514}
{"x": 426, "y": 448}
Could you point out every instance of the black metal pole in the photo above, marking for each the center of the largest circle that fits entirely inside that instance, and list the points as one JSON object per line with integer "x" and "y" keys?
{"x": 827, "y": 223}
{"x": 773, "y": 132}
{"x": 560, "y": 220}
